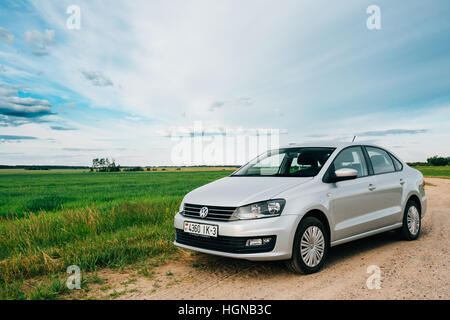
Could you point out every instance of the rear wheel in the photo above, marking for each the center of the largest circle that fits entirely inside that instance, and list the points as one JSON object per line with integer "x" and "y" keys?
{"x": 411, "y": 221}
{"x": 310, "y": 247}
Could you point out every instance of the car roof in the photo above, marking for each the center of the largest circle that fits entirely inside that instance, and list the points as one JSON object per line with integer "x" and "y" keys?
{"x": 329, "y": 144}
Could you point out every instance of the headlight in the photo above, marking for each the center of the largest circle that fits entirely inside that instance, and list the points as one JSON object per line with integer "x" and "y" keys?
{"x": 181, "y": 207}
{"x": 264, "y": 209}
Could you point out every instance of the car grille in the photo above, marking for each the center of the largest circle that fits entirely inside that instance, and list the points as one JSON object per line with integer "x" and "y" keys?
{"x": 223, "y": 243}
{"x": 214, "y": 213}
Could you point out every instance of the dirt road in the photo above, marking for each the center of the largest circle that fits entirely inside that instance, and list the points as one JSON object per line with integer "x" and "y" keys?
{"x": 409, "y": 270}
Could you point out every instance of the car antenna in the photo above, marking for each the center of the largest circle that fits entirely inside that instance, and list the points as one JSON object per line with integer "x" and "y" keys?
{"x": 354, "y": 137}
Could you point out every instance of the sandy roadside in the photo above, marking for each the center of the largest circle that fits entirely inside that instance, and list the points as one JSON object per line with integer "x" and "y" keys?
{"x": 409, "y": 270}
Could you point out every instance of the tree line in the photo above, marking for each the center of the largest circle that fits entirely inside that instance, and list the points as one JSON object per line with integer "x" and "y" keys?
{"x": 104, "y": 165}
{"x": 433, "y": 161}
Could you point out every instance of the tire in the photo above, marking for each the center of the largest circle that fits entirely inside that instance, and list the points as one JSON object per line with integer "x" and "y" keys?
{"x": 412, "y": 212}
{"x": 299, "y": 262}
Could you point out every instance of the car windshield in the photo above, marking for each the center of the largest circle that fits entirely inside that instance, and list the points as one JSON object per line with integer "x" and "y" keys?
{"x": 287, "y": 162}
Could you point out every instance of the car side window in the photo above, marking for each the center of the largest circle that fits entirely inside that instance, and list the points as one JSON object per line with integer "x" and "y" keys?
{"x": 381, "y": 161}
{"x": 397, "y": 164}
{"x": 352, "y": 158}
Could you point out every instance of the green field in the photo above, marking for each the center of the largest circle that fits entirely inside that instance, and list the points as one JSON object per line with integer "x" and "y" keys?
{"x": 50, "y": 220}
{"x": 434, "y": 171}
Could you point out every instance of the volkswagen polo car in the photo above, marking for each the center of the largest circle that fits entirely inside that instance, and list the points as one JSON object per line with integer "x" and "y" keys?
{"x": 295, "y": 202}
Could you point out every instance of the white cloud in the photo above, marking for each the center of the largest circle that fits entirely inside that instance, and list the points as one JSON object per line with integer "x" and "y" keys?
{"x": 6, "y": 36}
{"x": 97, "y": 78}
{"x": 39, "y": 42}
{"x": 215, "y": 130}
{"x": 24, "y": 107}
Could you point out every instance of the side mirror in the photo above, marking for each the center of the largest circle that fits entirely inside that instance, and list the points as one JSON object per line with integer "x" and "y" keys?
{"x": 344, "y": 174}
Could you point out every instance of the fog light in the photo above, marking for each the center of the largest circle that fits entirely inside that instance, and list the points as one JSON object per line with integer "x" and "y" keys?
{"x": 266, "y": 240}
{"x": 253, "y": 242}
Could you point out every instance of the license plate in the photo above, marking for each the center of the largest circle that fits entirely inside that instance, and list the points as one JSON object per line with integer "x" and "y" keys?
{"x": 201, "y": 229}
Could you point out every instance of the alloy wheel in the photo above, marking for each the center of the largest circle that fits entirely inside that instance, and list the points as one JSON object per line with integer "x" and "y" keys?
{"x": 413, "y": 220}
{"x": 312, "y": 246}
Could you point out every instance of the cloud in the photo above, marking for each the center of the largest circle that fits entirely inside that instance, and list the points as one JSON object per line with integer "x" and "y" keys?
{"x": 133, "y": 118}
{"x": 216, "y": 105}
{"x": 67, "y": 105}
{"x": 244, "y": 101}
{"x": 5, "y": 36}
{"x": 5, "y": 138}
{"x": 60, "y": 128}
{"x": 240, "y": 102}
{"x": 380, "y": 133}
{"x": 63, "y": 107}
{"x": 7, "y": 91}
{"x": 318, "y": 135}
{"x": 11, "y": 89}
{"x": 97, "y": 78}
{"x": 6, "y": 121}
{"x": 186, "y": 131}
{"x": 39, "y": 42}
{"x": 24, "y": 107}
{"x": 83, "y": 149}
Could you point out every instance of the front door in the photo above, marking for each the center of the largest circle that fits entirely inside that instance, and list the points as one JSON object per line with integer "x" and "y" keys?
{"x": 352, "y": 202}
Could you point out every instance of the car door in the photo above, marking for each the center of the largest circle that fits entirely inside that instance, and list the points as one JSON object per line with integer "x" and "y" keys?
{"x": 352, "y": 202}
{"x": 389, "y": 184}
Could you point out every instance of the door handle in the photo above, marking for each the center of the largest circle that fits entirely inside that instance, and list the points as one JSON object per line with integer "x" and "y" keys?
{"x": 371, "y": 187}
{"x": 402, "y": 182}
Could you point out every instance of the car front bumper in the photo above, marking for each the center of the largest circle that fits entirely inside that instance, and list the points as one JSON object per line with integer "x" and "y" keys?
{"x": 282, "y": 228}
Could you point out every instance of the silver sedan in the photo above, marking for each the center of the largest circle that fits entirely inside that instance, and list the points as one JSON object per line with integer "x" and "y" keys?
{"x": 295, "y": 202}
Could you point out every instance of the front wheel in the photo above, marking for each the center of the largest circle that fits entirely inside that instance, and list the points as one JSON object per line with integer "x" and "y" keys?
{"x": 310, "y": 247}
{"x": 411, "y": 221}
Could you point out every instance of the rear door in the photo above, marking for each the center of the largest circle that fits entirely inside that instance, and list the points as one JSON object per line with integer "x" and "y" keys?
{"x": 389, "y": 188}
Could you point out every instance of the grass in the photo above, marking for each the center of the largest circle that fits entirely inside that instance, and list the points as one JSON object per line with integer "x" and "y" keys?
{"x": 22, "y": 192}
{"x": 51, "y": 220}
{"x": 434, "y": 171}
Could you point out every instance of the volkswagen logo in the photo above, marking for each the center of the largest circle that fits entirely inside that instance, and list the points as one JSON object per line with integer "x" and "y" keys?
{"x": 203, "y": 212}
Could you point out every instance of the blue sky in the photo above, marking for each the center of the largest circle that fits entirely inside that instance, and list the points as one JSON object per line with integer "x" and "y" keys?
{"x": 134, "y": 72}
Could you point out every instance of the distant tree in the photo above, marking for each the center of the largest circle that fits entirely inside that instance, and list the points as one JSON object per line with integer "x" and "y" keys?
{"x": 95, "y": 164}
{"x": 36, "y": 168}
{"x": 104, "y": 165}
{"x": 101, "y": 163}
{"x": 134, "y": 169}
{"x": 414, "y": 164}
{"x": 438, "y": 161}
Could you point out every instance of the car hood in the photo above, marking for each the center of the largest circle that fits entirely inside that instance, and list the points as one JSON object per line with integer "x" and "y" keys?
{"x": 238, "y": 191}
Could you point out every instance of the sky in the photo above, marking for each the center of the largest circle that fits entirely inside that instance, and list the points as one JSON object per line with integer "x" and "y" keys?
{"x": 138, "y": 76}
